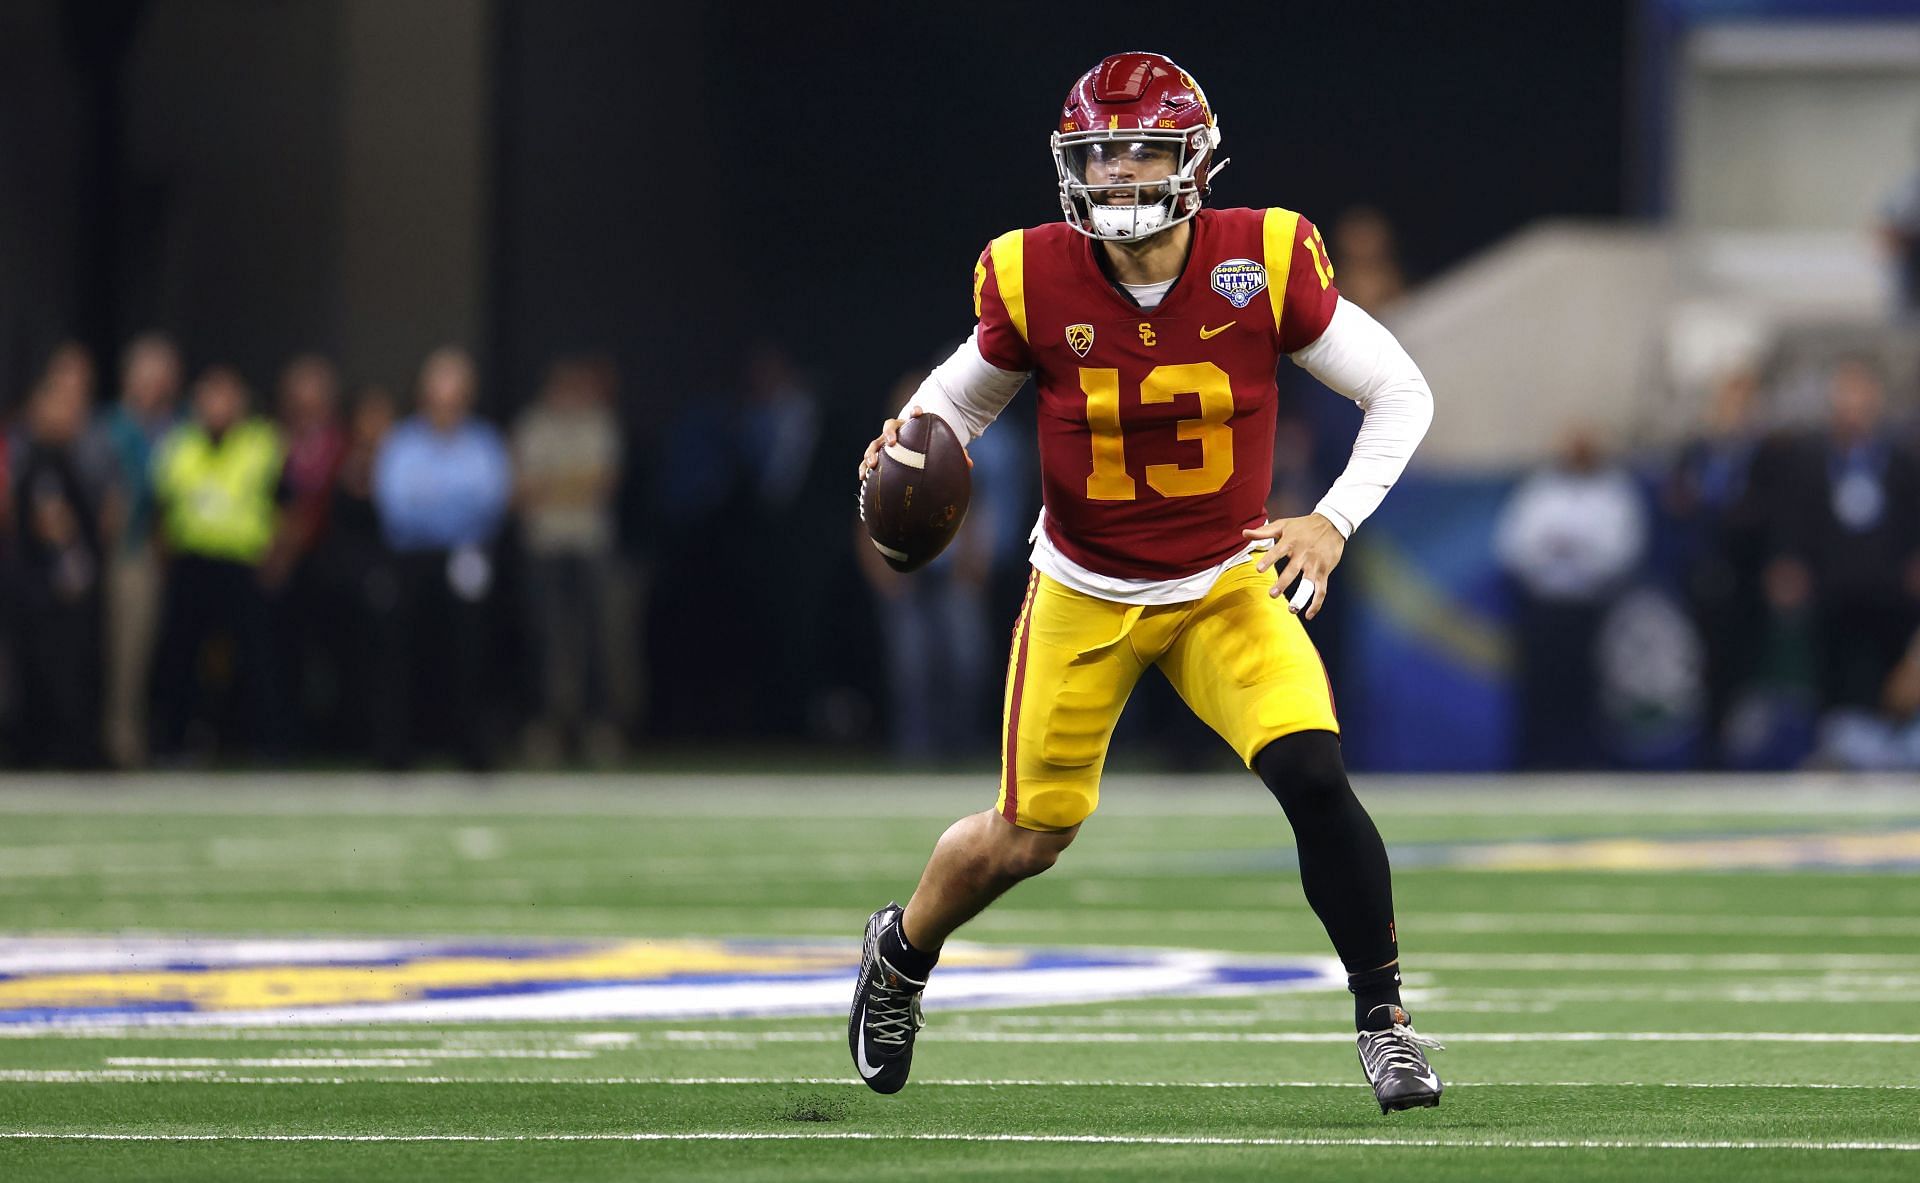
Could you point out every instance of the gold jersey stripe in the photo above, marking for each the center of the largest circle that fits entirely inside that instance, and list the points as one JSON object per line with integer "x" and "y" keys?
{"x": 1009, "y": 260}
{"x": 1278, "y": 242}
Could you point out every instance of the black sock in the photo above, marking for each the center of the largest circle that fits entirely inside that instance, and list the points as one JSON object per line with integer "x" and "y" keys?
{"x": 1371, "y": 990}
{"x": 903, "y": 956}
{"x": 1343, "y": 862}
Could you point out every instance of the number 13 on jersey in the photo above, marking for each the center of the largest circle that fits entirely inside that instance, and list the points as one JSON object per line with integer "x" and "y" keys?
{"x": 1110, "y": 481}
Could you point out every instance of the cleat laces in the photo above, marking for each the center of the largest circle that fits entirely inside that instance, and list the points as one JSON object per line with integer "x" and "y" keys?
{"x": 893, "y": 1013}
{"x": 1397, "y": 1048}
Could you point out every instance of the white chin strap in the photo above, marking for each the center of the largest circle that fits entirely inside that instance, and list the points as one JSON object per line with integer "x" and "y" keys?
{"x": 1128, "y": 221}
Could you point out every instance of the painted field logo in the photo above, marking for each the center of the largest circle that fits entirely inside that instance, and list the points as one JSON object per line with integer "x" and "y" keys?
{"x": 262, "y": 982}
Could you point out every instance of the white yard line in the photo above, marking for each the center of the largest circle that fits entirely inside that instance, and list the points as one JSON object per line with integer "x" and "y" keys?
{"x": 1258, "y": 917}
{"x": 1235, "y": 918}
{"x": 1047, "y": 1139}
{"x": 1627, "y": 923}
{"x": 106, "y": 1076}
{"x": 1877, "y": 984}
{"x": 1250, "y": 916}
{"x": 271, "y": 1062}
{"x": 816, "y": 924}
{"x": 1430, "y": 1000}
{"x": 1226, "y": 919}
{"x": 321, "y": 1057}
{"x": 453, "y": 1035}
{"x": 1450, "y": 1000}
{"x": 1680, "y": 962}
{"x": 951, "y": 1036}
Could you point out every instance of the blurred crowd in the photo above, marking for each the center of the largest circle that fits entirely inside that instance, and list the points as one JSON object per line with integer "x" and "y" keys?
{"x": 1752, "y": 599}
{"x": 190, "y": 571}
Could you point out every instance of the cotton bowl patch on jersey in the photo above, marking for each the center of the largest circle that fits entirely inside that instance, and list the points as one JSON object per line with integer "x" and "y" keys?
{"x": 1239, "y": 280}
{"x": 222, "y": 982}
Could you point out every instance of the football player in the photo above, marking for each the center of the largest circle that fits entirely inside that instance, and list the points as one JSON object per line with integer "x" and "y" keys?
{"x": 1152, "y": 326}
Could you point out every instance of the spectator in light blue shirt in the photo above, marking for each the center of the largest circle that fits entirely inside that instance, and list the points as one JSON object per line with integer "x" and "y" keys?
{"x": 441, "y": 484}
{"x": 443, "y": 478}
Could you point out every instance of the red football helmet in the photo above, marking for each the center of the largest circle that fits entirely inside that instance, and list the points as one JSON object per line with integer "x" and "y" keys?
{"x": 1135, "y": 147}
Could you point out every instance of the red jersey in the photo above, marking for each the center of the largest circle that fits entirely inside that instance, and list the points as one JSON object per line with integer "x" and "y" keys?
{"x": 1156, "y": 427}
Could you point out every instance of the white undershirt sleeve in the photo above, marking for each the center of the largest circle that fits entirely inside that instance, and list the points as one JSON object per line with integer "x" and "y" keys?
{"x": 1358, "y": 357}
{"x": 967, "y": 390}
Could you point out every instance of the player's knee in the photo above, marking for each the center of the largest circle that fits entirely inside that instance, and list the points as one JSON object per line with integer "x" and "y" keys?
{"x": 1304, "y": 770}
{"x": 1022, "y": 853}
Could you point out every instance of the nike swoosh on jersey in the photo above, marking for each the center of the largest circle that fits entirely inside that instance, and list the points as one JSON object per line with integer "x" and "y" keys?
{"x": 867, "y": 1071}
{"x": 1207, "y": 334}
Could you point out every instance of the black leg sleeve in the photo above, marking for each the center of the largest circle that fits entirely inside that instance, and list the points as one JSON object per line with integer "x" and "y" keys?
{"x": 1343, "y": 862}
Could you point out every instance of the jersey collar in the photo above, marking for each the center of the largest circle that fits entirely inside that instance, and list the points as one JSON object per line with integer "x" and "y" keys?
{"x": 1095, "y": 265}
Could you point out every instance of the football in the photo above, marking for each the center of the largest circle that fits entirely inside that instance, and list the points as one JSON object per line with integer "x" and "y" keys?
{"x": 915, "y": 499}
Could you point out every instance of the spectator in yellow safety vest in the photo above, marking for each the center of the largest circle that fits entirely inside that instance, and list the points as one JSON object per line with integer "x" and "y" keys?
{"x": 217, "y": 481}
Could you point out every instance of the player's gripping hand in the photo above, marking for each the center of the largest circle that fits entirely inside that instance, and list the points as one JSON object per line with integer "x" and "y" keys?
{"x": 890, "y": 435}
{"x": 1312, "y": 547}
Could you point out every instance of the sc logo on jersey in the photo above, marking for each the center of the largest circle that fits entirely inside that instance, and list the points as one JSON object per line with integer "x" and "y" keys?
{"x": 1239, "y": 280}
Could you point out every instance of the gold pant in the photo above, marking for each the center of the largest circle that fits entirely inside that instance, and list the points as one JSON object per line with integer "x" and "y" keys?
{"x": 1237, "y": 656}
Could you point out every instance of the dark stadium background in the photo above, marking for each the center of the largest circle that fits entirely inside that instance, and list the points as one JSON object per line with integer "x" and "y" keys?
{"x": 670, "y": 181}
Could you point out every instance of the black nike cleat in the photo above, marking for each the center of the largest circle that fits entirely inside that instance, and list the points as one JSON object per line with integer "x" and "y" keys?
{"x": 886, "y": 1012}
{"x": 1395, "y": 1066}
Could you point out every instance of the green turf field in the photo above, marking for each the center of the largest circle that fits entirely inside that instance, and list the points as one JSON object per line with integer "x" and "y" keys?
{"x": 1719, "y": 981}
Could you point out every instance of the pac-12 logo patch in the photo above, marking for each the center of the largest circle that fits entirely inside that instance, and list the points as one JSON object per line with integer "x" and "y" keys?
{"x": 1239, "y": 280}
{"x": 1080, "y": 338}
